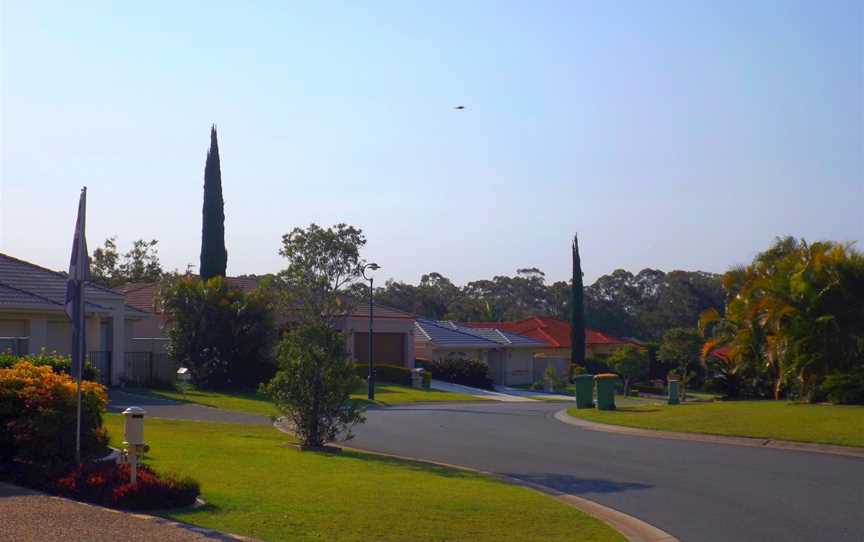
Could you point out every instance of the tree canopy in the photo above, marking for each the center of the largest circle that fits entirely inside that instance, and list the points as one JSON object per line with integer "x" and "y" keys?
{"x": 214, "y": 257}
{"x": 794, "y": 315}
{"x": 139, "y": 264}
{"x": 322, "y": 264}
{"x": 644, "y": 305}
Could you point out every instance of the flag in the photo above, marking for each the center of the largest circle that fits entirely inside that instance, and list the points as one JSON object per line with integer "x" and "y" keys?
{"x": 79, "y": 273}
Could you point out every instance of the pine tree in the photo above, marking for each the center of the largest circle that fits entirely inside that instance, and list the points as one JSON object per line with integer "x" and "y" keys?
{"x": 577, "y": 310}
{"x": 214, "y": 257}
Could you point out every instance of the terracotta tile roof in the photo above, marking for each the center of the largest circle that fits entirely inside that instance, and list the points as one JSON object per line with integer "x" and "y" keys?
{"x": 555, "y": 333}
{"x": 381, "y": 311}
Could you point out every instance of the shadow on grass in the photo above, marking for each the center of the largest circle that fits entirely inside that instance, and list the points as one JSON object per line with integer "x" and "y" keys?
{"x": 636, "y": 409}
{"x": 574, "y": 485}
{"x": 187, "y": 512}
{"x": 419, "y": 466}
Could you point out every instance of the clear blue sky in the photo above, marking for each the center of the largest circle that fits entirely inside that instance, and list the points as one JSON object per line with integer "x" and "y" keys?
{"x": 673, "y": 135}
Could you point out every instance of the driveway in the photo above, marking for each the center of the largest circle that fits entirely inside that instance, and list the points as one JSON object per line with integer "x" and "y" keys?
{"x": 30, "y": 516}
{"x": 695, "y": 491}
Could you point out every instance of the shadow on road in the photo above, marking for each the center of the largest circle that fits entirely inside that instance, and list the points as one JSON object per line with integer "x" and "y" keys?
{"x": 579, "y": 486}
{"x": 407, "y": 408}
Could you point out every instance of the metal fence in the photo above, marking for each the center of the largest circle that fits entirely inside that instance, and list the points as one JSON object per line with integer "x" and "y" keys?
{"x": 561, "y": 366}
{"x": 149, "y": 368}
{"x": 101, "y": 360}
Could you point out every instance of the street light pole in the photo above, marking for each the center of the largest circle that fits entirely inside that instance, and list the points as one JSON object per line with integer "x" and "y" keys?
{"x": 370, "y": 377}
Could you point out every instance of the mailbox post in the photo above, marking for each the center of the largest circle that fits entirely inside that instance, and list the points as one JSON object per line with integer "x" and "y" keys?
{"x": 134, "y": 439}
{"x": 184, "y": 377}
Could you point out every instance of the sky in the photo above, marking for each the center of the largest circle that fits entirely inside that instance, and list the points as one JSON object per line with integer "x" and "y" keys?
{"x": 671, "y": 135}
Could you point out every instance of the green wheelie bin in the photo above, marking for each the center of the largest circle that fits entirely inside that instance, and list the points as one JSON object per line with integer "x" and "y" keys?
{"x": 584, "y": 390}
{"x": 606, "y": 391}
{"x": 674, "y": 392}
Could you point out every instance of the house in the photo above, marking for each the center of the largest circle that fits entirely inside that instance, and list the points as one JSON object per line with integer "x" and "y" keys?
{"x": 32, "y": 317}
{"x": 555, "y": 334}
{"x": 393, "y": 332}
{"x": 393, "y": 335}
{"x": 510, "y": 356}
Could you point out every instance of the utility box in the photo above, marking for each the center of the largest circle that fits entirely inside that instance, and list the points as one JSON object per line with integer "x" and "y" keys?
{"x": 134, "y": 425}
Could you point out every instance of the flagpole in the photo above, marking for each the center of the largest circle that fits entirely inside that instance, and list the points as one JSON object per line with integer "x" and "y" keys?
{"x": 82, "y": 330}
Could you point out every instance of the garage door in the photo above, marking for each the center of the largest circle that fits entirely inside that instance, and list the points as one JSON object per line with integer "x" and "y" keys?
{"x": 388, "y": 348}
{"x": 518, "y": 367}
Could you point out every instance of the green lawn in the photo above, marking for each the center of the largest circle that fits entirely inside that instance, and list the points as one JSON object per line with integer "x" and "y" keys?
{"x": 829, "y": 424}
{"x": 255, "y": 486}
{"x": 255, "y": 403}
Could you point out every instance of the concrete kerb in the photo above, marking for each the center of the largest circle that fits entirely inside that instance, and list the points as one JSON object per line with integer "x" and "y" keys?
{"x": 831, "y": 449}
{"x": 633, "y": 529}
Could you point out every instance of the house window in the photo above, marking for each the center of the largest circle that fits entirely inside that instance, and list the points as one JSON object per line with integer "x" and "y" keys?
{"x": 17, "y": 346}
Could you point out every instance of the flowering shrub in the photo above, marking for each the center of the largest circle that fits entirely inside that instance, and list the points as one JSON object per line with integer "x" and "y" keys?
{"x": 109, "y": 484}
{"x": 37, "y": 416}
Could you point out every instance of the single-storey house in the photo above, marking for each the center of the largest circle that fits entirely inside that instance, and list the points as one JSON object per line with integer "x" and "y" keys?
{"x": 510, "y": 356}
{"x": 32, "y": 317}
{"x": 393, "y": 331}
{"x": 555, "y": 335}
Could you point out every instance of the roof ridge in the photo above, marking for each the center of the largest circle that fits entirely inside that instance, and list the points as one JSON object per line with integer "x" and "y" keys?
{"x": 456, "y": 330}
{"x": 30, "y": 293}
{"x": 505, "y": 337}
{"x": 60, "y": 274}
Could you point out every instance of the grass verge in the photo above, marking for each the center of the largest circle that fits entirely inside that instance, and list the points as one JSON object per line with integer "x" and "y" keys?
{"x": 826, "y": 424}
{"x": 255, "y": 486}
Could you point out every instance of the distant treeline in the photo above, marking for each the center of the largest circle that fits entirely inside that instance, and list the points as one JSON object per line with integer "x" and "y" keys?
{"x": 621, "y": 303}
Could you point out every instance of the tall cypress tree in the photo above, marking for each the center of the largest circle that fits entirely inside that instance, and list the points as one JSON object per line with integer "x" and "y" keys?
{"x": 577, "y": 309}
{"x": 214, "y": 257}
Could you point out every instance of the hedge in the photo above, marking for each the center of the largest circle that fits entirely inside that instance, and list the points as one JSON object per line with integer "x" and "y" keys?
{"x": 59, "y": 364}
{"x": 461, "y": 369}
{"x": 385, "y": 372}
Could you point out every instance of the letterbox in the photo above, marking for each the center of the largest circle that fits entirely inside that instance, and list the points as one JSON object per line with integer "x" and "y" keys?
{"x": 134, "y": 425}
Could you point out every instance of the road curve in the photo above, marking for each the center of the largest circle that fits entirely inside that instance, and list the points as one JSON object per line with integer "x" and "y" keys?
{"x": 695, "y": 491}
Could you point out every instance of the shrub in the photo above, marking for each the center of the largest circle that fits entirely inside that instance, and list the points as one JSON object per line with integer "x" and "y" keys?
{"x": 393, "y": 374}
{"x": 59, "y": 364}
{"x": 314, "y": 385}
{"x": 576, "y": 370}
{"x": 550, "y": 375}
{"x": 108, "y": 484}
{"x": 631, "y": 363}
{"x": 845, "y": 388}
{"x": 427, "y": 380}
{"x": 596, "y": 364}
{"x": 221, "y": 334}
{"x": 38, "y": 412}
{"x": 460, "y": 369}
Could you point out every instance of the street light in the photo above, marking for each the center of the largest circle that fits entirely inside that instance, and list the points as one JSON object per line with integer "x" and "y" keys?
{"x": 371, "y": 376}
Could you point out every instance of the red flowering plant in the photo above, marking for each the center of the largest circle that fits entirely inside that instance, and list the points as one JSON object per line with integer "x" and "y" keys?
{"x": 109, "y": 484}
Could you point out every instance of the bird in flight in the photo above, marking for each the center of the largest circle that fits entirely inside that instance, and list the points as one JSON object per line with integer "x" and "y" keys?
{"x": 459, "y": 107}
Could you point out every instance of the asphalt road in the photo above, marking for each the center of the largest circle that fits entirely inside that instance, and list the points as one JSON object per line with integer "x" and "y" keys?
{"x": 695, "y": 491}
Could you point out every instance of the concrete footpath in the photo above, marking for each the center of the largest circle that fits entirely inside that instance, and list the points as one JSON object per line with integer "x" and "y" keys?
{"x": 440, "y": 385}
{"x": 29, "y": 516}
